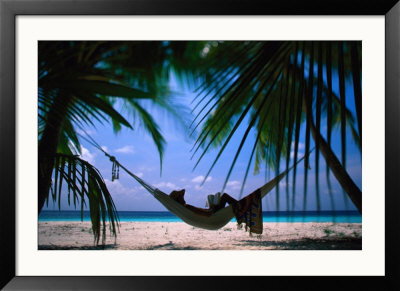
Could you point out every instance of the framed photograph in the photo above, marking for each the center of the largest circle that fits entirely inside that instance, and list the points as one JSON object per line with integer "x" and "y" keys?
{"x": 158, "y": 145}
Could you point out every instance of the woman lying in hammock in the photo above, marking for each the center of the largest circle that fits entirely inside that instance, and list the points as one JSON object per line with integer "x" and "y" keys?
{"x": 214, "y": 202}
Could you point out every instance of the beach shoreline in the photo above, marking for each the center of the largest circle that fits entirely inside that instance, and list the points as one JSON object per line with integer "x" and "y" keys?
{"x": 71, "y": 235}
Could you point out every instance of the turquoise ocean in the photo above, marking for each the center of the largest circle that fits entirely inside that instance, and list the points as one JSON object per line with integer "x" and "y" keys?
{"x": 163, "y": 216}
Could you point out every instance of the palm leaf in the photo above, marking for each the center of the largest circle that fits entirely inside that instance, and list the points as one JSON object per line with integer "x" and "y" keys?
{"x": 151, "y": 126}
{"x": 234, "y": 104}
{"x": 82, "y": 180}
{"x": 94, "y": 102}
{"x": 230, "y": 93}
{"x": 308, "y": 104}
{"x": 107, "y": 88}
{"x": 356, "y": 73}
{"x": 299, "y": 112}
{"x": 342, "y": 102}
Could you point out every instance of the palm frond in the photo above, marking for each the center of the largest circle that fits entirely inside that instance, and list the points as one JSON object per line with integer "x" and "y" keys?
{"x": 152, "y": 127}
{"x": 231, "y": 94}
{"x": 84, "y": 180}
{"x": 342, "y": 90}
{"x": 299, "y": 111}
{"x": 356, "y": 74}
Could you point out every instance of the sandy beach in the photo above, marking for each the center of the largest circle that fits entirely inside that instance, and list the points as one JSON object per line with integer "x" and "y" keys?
{"x": 63, "y": 235}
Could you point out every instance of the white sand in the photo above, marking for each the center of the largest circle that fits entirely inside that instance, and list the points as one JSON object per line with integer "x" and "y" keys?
{"x": 179, "y": 236}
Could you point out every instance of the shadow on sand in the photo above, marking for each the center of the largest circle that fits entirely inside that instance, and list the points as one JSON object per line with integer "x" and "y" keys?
{"x": 99, "y": 247}
{"x": 170, "y": 246}
{"x": 307, "y": 244}
{"x": 294, "y": 244}
{"x": 167, "y": 246}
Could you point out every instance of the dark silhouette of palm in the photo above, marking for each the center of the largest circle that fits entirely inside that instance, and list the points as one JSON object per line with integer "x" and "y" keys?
{"x": 80, "y": 82}
{"x": 280, "y": 86}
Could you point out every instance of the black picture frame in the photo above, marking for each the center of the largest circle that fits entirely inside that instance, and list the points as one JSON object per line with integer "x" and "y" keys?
{"x": 9, "y": 9}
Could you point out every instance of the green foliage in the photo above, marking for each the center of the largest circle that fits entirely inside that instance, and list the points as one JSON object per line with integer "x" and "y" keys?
{"x": 85, "y": 184}
{"x": 276, "y": 87}
{"x": 90, "y": 77}
{"x": 81, "y": 82}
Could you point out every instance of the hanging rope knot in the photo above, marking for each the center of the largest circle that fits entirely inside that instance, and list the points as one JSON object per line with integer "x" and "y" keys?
{"x": 115, "y": 169}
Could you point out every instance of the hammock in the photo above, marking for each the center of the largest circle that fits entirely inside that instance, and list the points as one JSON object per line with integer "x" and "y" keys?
{"x": 213, "y": 222}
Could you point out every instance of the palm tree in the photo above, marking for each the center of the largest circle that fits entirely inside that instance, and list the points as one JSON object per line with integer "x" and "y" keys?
{"x": 279, "y": 87}
{"x": 80, "y": 82}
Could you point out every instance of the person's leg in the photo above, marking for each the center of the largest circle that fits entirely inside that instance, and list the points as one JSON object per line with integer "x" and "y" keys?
{"x": 225, "y": 198}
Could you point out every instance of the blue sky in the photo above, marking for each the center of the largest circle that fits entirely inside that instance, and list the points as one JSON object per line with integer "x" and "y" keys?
{"x": 136, "y": 151}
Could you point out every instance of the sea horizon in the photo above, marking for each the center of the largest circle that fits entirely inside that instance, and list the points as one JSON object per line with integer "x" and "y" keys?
{"x": 338, "y": 216}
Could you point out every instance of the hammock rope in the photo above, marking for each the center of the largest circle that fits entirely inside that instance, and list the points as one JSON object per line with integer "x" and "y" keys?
{"x": 213, "y": 222}
{"x": 116, "y": 165}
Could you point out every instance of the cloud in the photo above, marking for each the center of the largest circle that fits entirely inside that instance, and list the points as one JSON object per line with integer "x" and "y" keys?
{"x": 200, "y": 179}
{"x": 116, "y": 188}
{"x": 125, "y": 150}
{"x": 140, "y": 174}
{"x": 87, "y": 155}
{"x": 147, "y": 169}
{"x": 166, "y": 185}
{"x": 284, "y": 184}
{"x": 300, "y": 154}
{"x": 301, "y": 145}
{"x": 233, "y": 184}
{"x": 198, "y": 187}
{"x": 104, "y": 148}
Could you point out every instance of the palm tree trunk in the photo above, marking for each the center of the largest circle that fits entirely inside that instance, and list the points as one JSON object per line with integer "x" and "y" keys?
{"x": 48, "y": 147}
{"x": 338, "y": 170}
